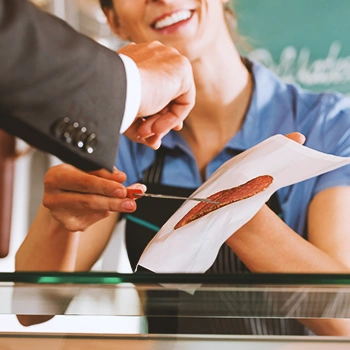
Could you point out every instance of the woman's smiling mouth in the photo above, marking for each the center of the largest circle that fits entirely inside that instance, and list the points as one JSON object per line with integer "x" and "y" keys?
{"x": 172, "y": 19}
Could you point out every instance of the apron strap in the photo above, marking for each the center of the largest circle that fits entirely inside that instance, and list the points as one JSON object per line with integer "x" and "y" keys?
{"x": 153, "y": 174}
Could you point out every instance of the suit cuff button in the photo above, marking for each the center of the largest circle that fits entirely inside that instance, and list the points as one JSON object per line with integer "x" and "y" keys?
{"x": 60, "y": 126}
{"x": 80, "y": 136}
{"x": 91, "y": 143}
{"x": 69, "y": 131}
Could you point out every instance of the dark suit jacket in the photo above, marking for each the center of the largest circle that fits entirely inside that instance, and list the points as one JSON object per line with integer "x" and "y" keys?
{"x": 59, "y": 90}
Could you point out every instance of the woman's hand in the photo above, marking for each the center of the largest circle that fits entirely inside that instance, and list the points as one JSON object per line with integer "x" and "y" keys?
{"x": 297, "y": 137}
{"x": 78, "y": 199}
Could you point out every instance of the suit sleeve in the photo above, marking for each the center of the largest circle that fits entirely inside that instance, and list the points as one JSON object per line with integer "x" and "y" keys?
{"x": 59, "y": 90}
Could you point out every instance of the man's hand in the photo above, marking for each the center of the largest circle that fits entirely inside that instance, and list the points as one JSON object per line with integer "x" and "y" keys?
{"x": 168, "y": 91}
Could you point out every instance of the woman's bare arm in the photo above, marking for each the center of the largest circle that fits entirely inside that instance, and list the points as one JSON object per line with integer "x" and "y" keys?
{"x": 74, "y": 223}
{"x": 267, "y": 244}
{"x": 76, "y": 210}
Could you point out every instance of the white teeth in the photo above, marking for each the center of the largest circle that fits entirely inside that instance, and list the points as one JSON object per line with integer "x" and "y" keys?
{"x": 172, "y": 19}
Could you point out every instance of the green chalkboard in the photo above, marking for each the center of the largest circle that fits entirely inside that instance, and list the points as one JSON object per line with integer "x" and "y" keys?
{"x": 303, "y": 41}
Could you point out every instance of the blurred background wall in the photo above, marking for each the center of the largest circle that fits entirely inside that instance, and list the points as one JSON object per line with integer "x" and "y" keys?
{"x": 303, "y": 41}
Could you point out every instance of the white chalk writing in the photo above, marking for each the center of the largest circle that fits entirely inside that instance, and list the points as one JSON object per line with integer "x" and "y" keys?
{"x": 297, "y": 67}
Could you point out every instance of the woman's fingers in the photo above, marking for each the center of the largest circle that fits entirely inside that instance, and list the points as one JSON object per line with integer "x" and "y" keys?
{"x": 116, "y": 175}
{"x": 78, "y": 211}
{"x": 297, "y": 137}
{"x": 77, "y": 199}
{"x": 76, "y": 202}
{"x": 139, "y": 186}
{"x": 67, "y": 178}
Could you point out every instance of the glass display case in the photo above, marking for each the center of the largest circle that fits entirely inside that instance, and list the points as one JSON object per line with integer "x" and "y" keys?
{"x": 162, "y": 311}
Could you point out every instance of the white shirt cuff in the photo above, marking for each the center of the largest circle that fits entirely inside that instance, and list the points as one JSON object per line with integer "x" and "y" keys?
{"x": 133, "y": 92}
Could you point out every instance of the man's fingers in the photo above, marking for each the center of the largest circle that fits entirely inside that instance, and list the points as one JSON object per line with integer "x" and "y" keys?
{"x": 151, "y": 130}
{"x": 168, "y": 91}
{"x": 179, "y": 126}
{"x": 154, "y": 141}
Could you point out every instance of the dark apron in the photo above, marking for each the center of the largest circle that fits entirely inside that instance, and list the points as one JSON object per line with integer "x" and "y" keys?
{"x": 141, "y": 227}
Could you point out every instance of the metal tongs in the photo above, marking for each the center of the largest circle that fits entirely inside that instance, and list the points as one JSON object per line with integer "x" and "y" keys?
{"x": 137, "y": 193}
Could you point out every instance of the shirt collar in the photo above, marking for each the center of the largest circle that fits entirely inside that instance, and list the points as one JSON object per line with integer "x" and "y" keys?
{"x": 265, "y": 86}
{"x": 255, "y": 127}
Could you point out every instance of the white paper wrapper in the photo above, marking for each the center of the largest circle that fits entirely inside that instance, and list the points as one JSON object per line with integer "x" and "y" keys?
{"x": 194, "y": 247}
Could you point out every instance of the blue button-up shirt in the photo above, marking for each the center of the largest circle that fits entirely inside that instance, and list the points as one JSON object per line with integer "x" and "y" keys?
{"x": 275, "y": 108}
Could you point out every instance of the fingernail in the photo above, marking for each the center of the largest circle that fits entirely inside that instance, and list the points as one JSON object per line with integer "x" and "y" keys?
{"x": 128, "y": 205}
{"x": 157, "y": 144}
{"x": 149, "y": 135}
{"x": 143, "y": 187}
